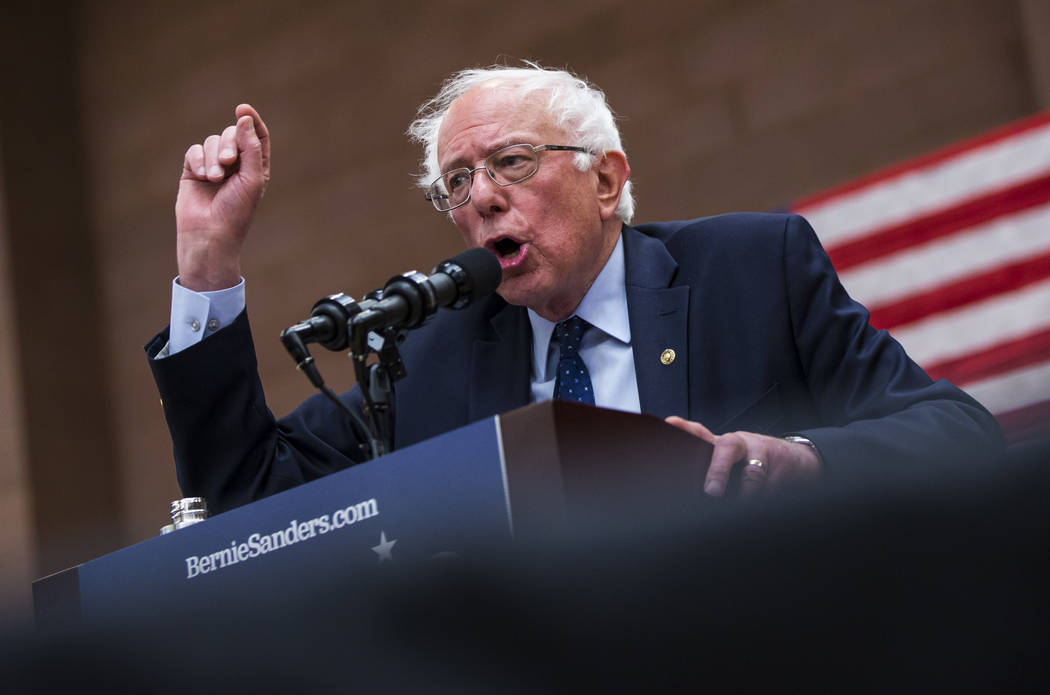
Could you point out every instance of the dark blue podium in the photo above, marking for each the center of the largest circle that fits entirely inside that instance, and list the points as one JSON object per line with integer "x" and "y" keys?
{"x": 462, "y": 494}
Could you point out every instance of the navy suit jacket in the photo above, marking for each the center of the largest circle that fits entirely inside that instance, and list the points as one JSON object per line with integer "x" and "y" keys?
{"x": 766, "y": 341}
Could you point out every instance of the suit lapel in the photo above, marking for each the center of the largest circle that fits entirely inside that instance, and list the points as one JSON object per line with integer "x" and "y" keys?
{"x": 658, "y": 314}
{"x": 501, "y": 365}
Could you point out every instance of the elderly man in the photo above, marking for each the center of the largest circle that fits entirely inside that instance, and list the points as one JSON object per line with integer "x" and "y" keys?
{"x": 734, "y": 324}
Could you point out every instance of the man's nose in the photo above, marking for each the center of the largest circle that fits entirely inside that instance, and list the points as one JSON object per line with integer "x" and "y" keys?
{"x": 486, "y": 195}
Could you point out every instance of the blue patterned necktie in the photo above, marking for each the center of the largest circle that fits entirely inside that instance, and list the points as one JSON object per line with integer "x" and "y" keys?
{"x": 573, "y": 382}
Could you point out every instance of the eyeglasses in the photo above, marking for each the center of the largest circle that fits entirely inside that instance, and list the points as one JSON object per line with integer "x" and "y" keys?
{"x": 506, "y": 166}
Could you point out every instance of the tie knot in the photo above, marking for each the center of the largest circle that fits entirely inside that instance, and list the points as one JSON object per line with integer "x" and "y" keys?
{"x": 569, "y": 333}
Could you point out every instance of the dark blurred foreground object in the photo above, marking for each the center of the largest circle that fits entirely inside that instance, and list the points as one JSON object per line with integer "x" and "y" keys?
{"x": 932, "y": 580}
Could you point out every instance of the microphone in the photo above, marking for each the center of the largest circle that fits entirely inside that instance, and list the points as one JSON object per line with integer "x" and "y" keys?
{"x": 374, "y": 325}
{"x": 409, "y": 299}
{"x": 405, "y": 302}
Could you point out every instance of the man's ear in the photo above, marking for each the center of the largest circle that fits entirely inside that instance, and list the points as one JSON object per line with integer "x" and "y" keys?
{"x": 613, "y": 171}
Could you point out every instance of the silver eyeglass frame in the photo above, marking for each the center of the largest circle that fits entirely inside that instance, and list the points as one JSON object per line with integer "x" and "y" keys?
{"x": 434, "y": 197}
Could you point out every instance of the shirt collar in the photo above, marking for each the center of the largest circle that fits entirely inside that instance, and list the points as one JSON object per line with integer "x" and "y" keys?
{"x": 604, "y": 307}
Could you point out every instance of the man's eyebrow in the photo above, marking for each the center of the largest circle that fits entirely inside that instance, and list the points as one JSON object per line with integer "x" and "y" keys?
{"x": 515, "y": 140}
{"x": 507, "y": 142}
{"x": 458, "y": 162}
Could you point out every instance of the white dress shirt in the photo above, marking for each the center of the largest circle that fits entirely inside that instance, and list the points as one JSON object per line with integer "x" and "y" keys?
{"x": 196, "y": 315}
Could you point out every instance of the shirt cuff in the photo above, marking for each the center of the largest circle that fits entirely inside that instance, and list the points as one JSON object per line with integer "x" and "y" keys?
{"x": 196, "y": 315}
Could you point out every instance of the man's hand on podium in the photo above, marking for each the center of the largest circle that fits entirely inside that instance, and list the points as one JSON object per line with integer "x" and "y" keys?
{"x": 769, "y": 462}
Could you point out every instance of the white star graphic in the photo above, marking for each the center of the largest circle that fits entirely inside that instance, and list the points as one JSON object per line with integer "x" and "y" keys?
{"x": 384, "y": 547}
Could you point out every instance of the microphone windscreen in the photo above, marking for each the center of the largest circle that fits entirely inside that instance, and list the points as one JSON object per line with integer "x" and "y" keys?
{"x": 483, "y": 269}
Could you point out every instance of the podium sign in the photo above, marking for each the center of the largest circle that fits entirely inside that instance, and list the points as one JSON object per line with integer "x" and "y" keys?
{"x": 457, "y": 494}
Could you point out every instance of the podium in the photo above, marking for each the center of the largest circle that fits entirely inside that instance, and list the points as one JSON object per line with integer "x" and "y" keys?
{"x": 524, "y": 474}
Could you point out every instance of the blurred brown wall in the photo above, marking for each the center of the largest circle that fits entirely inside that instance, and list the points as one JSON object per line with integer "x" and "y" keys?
{"x": 726, "y": 105}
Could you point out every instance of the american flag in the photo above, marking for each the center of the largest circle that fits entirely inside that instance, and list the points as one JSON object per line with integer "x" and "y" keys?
{"x": 951, "y": 253}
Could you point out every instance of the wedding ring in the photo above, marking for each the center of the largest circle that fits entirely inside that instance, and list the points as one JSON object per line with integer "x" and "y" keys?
{"x": 756, "y": 463}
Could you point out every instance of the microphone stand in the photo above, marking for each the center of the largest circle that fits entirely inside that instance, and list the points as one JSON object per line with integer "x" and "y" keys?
{"x": 364, "y": 331}
{"x": 377, "y": 379}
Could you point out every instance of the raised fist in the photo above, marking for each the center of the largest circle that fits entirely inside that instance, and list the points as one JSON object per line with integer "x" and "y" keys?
{"x": 223, "y": 180}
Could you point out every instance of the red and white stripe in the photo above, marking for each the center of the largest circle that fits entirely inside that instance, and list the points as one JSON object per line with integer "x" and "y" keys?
{"x": 951, "y": 253}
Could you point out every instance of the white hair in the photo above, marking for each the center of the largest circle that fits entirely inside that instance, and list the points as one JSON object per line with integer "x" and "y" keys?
{"x": 576, "y": 107}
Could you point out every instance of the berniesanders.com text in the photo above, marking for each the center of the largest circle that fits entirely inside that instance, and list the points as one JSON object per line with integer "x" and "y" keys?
{"x": 259, "y": 544}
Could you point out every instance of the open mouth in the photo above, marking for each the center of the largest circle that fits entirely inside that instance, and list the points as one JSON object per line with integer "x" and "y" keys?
{"x": 506, "y": 248}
